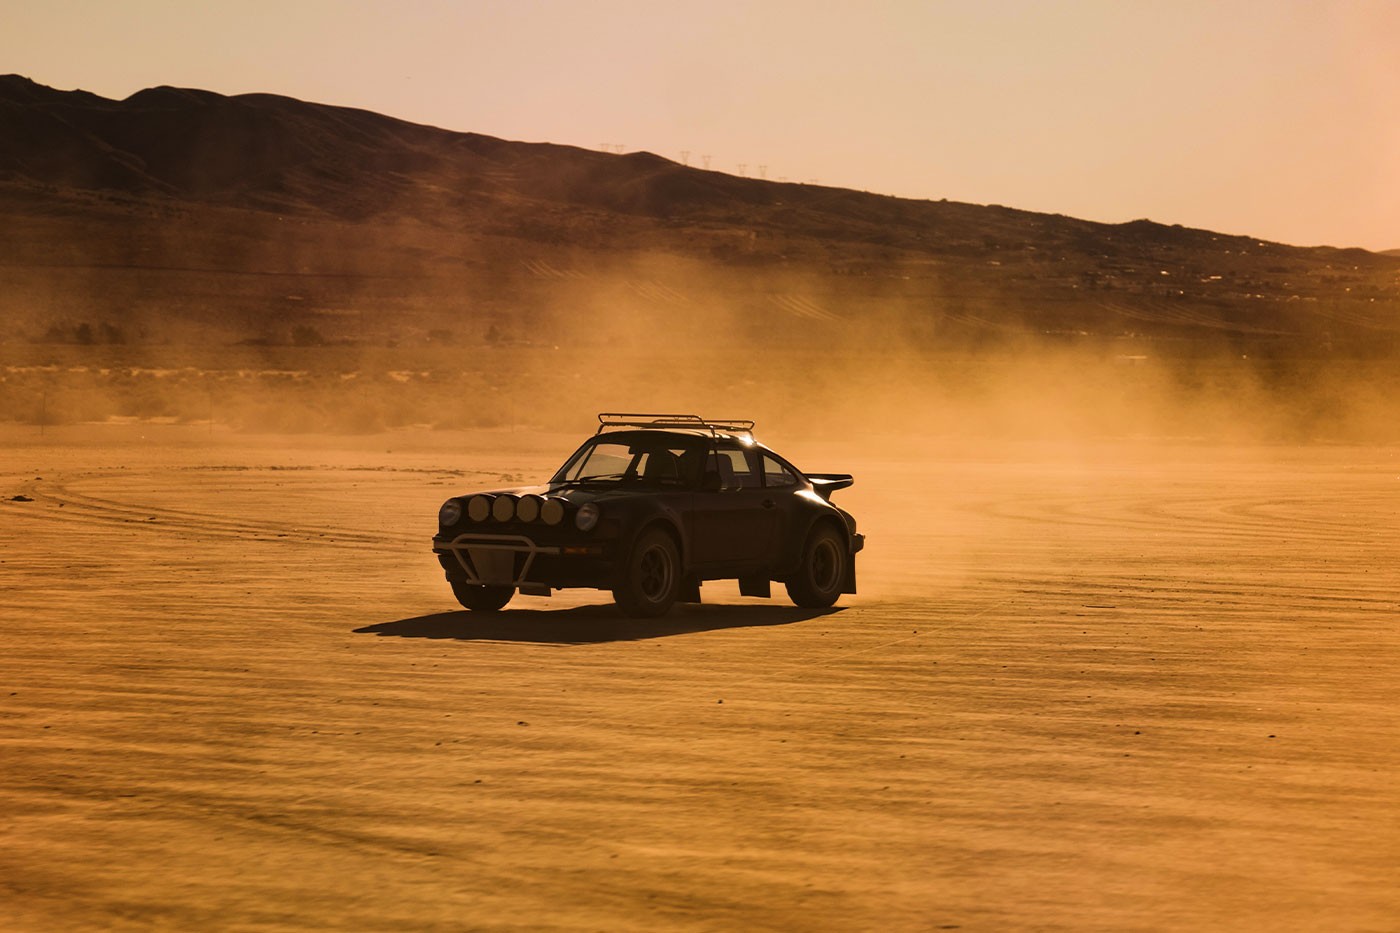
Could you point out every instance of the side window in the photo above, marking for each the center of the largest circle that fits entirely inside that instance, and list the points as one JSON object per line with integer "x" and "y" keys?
{"x": 671, "y": 466}
{"x": 690, "y": 461}
{"x": 736, "y": 468}
{"x": 775, "y": 475}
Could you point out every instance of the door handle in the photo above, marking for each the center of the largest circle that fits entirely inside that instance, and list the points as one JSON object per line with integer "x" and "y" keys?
{"x": 768, "y": 504}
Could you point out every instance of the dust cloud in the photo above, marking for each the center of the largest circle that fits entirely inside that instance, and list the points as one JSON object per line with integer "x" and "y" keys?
{"x": 832, "y": 393}
{"x": 818, "y": 384}
{"x": 259, "y": 323}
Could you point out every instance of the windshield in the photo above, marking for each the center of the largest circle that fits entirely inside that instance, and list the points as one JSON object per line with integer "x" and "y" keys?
{"x": 653, "y": 461}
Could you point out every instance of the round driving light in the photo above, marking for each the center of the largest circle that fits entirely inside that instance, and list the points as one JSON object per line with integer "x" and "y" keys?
{"x": 587, "y": 516}
{"x": 528, "y": 508}
{"x": 450, "y": 513}
{"x": 552, "y": 512}
{"x": 479, "y": 508}
{"x": 503, "y": 509}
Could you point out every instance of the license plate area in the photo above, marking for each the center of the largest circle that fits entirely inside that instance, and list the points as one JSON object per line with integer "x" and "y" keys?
{"x": 495, "y": 560}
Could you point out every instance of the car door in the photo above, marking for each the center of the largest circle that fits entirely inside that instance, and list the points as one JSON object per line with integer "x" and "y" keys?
{"x": 737, "y": 524}
{"x": 780, "y": 482}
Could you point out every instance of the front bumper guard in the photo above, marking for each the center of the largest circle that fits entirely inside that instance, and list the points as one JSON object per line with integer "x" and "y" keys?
{"x": 493, "y": 560}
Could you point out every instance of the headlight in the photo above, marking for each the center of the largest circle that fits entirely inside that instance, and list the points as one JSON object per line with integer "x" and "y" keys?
{"x": 552, "y": 511}
{"x": 528, "y": 508}
{"x": 587, "y": 516}
{"x": 450, "y": 513}
{"x": 503, "y": 509}
{"x": 479, "y": 508}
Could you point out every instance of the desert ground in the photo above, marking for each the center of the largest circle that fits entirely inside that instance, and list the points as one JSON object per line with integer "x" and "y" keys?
{"x": 1104, "y": 685}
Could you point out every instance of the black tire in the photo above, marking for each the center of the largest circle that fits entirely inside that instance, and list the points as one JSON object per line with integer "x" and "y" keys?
{"x": 822, "y": 575}
{"x": 479, "y": 598}
{"x": 652, "y": 578}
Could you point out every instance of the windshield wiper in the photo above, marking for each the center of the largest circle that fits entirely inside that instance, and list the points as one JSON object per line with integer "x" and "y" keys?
{"x": 586, "y": 480}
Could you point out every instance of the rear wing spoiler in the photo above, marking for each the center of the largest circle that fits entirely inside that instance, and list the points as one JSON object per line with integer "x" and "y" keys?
{"x": 827, "y": 483}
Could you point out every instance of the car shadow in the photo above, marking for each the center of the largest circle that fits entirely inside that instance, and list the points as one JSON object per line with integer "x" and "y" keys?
{"x": 587, "y": 625}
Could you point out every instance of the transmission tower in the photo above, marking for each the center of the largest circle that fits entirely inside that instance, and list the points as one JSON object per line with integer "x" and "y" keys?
{"x": 685, "y": 157}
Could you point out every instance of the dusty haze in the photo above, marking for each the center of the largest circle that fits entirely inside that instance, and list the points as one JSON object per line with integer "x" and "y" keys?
{"x": 1123, "y": 655}
{"x": 872, "y": 385}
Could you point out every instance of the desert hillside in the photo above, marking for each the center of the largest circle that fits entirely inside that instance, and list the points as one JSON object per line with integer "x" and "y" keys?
{"x": 182, "y": 215}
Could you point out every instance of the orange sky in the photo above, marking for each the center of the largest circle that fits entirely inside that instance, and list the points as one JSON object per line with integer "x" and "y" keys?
{"x": 1272, "y": 118}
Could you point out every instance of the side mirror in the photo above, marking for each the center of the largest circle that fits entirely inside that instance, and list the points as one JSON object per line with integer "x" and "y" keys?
{"x": 711, "y": 482}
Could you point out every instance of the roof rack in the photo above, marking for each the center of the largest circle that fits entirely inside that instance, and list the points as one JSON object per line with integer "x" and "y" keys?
{"x": 613, "y": 419}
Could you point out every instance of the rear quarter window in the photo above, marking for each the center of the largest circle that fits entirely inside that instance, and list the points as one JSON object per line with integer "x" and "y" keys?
{"x": 776, "y": 475}
{"x": 736, "y": 468}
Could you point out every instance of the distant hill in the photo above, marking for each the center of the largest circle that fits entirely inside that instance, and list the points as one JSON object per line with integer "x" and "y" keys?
{"x": 184, "y": 214}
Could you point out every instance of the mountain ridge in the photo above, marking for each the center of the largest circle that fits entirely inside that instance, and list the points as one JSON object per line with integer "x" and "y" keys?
{"x": 176, "y": 176}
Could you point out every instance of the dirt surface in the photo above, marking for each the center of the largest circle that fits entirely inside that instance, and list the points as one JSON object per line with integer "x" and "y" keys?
{"x": 1095, "y": 687}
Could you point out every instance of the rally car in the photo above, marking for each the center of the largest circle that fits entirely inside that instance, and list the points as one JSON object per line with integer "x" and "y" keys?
{"x": 650, "y": 507}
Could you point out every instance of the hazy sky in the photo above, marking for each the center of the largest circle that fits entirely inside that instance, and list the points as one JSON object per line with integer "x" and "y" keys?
{"x": 1274, "y": 119}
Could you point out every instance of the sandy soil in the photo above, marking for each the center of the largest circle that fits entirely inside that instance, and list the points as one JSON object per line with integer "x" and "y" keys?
{"x": 1095, "y": 687}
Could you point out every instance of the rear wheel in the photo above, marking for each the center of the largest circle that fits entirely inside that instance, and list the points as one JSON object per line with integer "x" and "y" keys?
{"x": 819, "y": 581}
{"x": 652, "y": 579}
{"x": 479, "y": 598}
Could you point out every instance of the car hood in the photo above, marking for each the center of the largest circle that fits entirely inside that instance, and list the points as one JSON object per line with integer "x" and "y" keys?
{"x": 576, "y": 495}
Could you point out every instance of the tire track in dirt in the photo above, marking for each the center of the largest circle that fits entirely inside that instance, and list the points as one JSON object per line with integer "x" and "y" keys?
{"x": 80, "y": 508}
{"x": 1246, "y": 518}
{"x": 1081, "y": 680}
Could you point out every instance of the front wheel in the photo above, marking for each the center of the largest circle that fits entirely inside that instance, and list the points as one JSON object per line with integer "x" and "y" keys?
{"x": 819, "y": 581}
{"x": 651, "y": 580}
{"x": 480, "y": 598}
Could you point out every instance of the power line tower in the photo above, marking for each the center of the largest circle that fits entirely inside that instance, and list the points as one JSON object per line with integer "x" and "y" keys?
{"x": 763, "y": 171}
{"x": 743, "y": 167}
{"x": 685, "y": 157}
{"x": 706, "y": 160}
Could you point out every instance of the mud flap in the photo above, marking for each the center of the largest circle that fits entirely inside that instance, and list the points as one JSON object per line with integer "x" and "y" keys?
{"x": 690, "y": 592}
{"x": 850, "y": 585}
{"x": 755, "y": 586}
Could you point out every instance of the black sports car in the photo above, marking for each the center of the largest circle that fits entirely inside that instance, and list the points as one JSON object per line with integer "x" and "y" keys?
{"x": 650, "y": 507}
